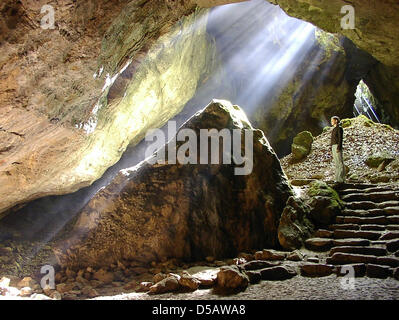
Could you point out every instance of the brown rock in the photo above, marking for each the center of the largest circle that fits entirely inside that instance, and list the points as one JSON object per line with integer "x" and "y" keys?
{"x": 130, "y": 285}
{"x": 158, "y": 277}
{"x": 316, "y": 270}
{"x": 359, "y": 269}
{"x": 295, "y": 256}
{"x": 188, "y": 282}
{"x": 258, "y": 264}
{"x": 253, "y": 276}
{"x": 65, "y": 287}
{"x": 230, "y": 279}
{"x": 168, "y": 284}
{"x": 396, "y": 274}
{"x": 318, "y": 244}
{"x": 26, "y": 292}
{"x": 103, "y": 276}
{"x": 270, "y": 254}
{"x": 377, "y": 271}
{"x": 26, "y": 282}
{"x": 144, "y": 286}
{"x": 278, "y": 273}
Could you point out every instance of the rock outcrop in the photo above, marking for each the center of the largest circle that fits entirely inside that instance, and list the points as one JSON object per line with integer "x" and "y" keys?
{"x": 153, "y": 212}
{"x": 92, "y": 119}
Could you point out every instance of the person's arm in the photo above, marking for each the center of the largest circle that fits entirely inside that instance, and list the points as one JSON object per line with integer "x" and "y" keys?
{"x": 340, "y": 139}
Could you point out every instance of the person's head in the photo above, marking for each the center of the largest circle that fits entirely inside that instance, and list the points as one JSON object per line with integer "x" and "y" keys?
{"x": 335, "y": 121}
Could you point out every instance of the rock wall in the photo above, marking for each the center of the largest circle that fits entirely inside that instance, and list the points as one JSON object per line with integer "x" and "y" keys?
{"x": 154, "y": 212}
{"x": 62, "y": 127}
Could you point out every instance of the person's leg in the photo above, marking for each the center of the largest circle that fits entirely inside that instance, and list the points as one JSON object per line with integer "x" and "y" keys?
{"x": 342, "y": 170}
{"x": 337, "y": 163}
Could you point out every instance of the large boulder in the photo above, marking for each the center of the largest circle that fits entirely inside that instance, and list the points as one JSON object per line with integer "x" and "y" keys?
{"x": 155, "y": 211}
{"x": 295, "y": 226}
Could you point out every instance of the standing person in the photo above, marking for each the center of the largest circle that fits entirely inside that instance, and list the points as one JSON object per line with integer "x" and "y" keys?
{"x": 337, "y": 136}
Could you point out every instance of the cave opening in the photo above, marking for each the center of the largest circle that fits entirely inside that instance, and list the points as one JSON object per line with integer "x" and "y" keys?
{"x": 365, "y": 104}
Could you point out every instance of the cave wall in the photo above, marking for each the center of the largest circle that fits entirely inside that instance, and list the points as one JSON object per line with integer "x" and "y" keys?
{"x": 57, "y": 151}
{"x": 376, "y": 32}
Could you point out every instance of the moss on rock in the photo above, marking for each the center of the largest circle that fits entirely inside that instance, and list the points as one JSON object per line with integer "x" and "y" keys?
{"x": 302, "y": 145}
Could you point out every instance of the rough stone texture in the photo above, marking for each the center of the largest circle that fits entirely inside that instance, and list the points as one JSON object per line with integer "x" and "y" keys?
{"x": 278, "y": 273}
{"x": 160, "y": 211}
{"x": 168, "y": 284}
{"x": 316, "y": 270}
{"x": 52, "y": 106}
{"x": 376, "y": 28}
{"x": 231, "y": 279}
{"x": 294, "y": 227}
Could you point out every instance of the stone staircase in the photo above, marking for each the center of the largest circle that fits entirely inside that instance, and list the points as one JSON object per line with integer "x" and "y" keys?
{"x": 366, "y": 234}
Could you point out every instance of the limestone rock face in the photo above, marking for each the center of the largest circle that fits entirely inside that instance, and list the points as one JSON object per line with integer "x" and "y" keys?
{"x": 73, "y": 98}
{"x": 185, "y": 211}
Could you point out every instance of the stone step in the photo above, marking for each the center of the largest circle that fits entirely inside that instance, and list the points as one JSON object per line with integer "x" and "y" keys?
{"x": 392, "y": 245}
{"x": 393, "y": 219}
{"x": 378, "y": 271}
{"x": 316, "y": 270}
{"x": 374, "y": 251}
{"x": 391, "y": 210}
{"x": 390, "y": 235}
{"x": 362, "y": 205}
{"x": 322, "y": 233}
{"x": 381, "y": 220}
{"x": 318, "y": 244}
{"x": 392, "y": 227}
{"x": 347, "y": 226}
{"x": 365, "y": 190}
{"x": 350, "y": 242}
{"x": 356, "y": 186}
{"x": 386, "y": 204}
{"x": 372, "y": 196}
{"x": 364, "y": 213}
{"x": 344, "y": 234}
{"x": 349, "y": 258}
{"x": 358, "y": 268}
{"x": 372, "y": 227}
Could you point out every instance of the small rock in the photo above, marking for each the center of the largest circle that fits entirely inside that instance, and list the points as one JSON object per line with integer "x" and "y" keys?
{"x": 93, "y": 293}
{"x": 103, "y": 276}
{"x": 130, "y": 285}
{"x": 270, "y": 254}
{"x": 316, "y": 270}
{"x": 188, "y": 282}
{"x": 229, "y": 278}
{"x": 295, "y": 256}
{"x": 86, "y": 290}
{"x": 278, "y": 273}
{"x": 26, "y": 292}
{"x": 313, "y": 259}
{"x": 65, "y": 287}
{"x": 26, "y": 282}
{"x": 253, "y": 276}
{"x": 168, "y": 284}
{"x": 159, "y": 277}
{"x": 145, "y": 286}
{"x": 70, "y": 274}
{"x": 359, "y": 269}
{"x": 377, "y": 271}
{"x": 246, "y": 256}
{"x": 210, "y": 259}
{"x": 55, "y": 295}
{"x": 258, "y": 264}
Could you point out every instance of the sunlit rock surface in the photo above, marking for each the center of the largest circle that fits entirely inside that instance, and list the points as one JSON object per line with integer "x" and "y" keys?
{"x": 89, "y": 115}
{"x": 152, "y": 212}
